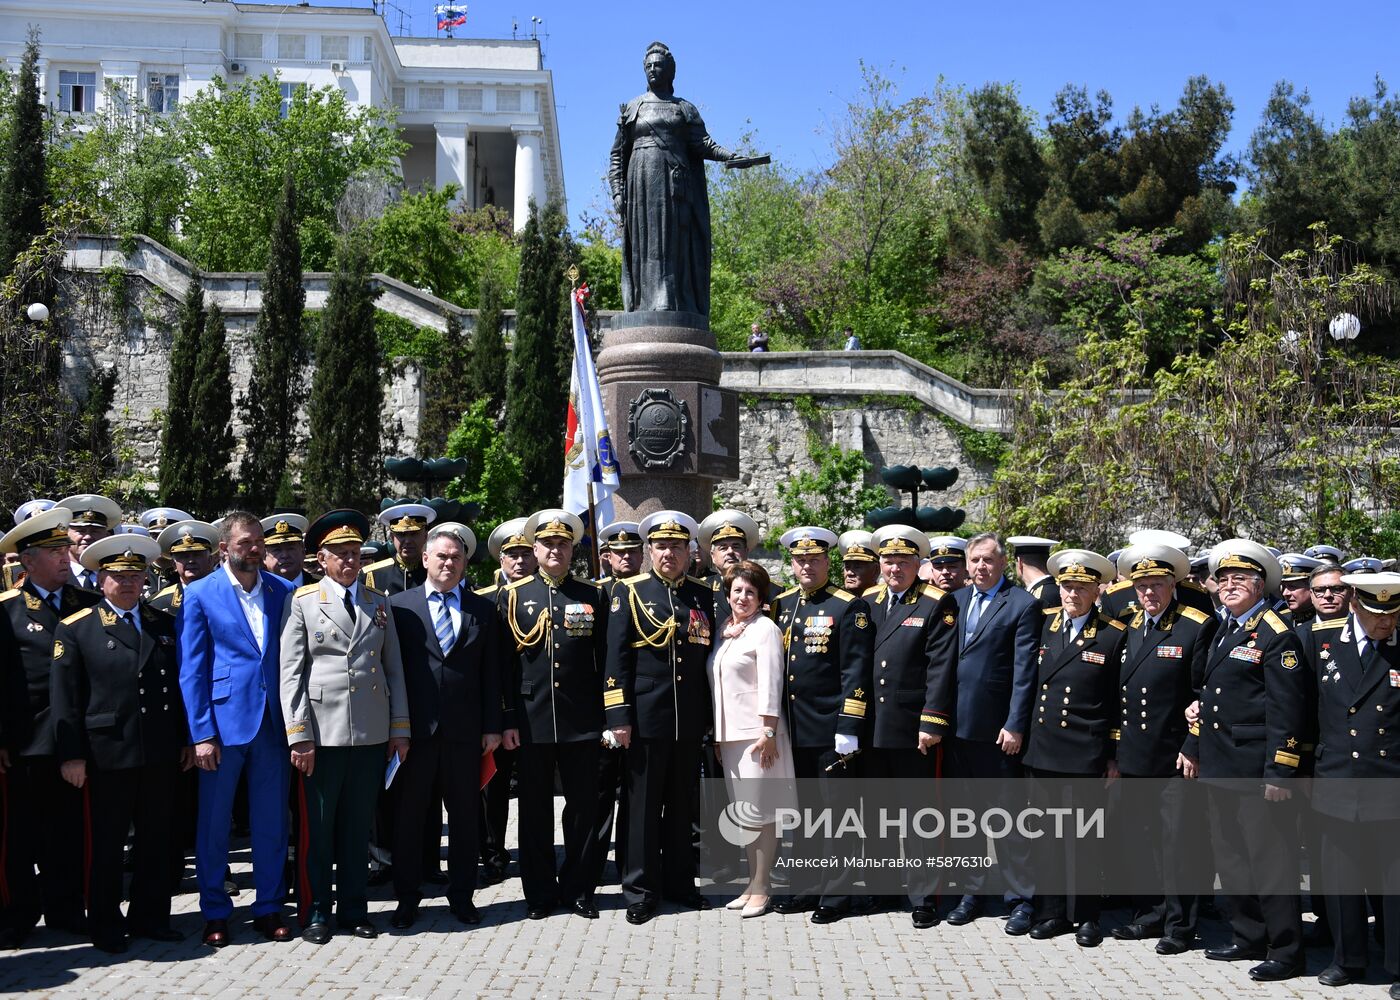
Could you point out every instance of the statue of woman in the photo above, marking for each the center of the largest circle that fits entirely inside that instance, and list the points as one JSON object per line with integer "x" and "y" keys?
{"x": 657, "y": 178}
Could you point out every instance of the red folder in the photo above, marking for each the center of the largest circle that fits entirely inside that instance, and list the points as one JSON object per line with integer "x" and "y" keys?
{"x": 488, "y": 767}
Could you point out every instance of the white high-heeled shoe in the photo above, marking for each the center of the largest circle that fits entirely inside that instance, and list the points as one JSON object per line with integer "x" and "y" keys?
{"x": 738, "y": 903}
{"x": 758, "y": 909}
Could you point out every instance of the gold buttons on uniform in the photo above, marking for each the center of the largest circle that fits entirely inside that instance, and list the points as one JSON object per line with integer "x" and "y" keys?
{"x": 792, "y": 677}
{"x": 1353, "y": 732}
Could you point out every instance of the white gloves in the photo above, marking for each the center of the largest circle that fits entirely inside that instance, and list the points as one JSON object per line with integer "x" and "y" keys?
{"x": 846, "y": 744}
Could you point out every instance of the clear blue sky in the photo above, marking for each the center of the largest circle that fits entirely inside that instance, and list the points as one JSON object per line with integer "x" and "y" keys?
{"x": 787, "y": 69}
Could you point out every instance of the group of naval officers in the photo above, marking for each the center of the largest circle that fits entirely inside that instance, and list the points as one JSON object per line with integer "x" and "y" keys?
{"x": 164, "y": 676}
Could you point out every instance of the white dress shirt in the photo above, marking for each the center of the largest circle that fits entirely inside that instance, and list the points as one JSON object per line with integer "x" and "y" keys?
{"x": 251, "y": 602}
{"x": 135, "y": 618}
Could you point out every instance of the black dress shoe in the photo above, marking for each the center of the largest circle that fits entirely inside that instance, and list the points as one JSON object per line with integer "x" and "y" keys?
{"x": 169, "y": 934}
{"x": 216, "y": 933}
{"x": 438, "y": 878}
{"x": 1335, "y": 975}
{"x": 585, "y": 908}
{"x": 1273, "y": 972}
{"x": 467, "y": 913}
{"x": 827, "y": 915}
{"x": 381, "y": 876}
{"x": 1088, "y": 935}
{"x": 539, "y": 912}
{"x": 1171, "y": 946}
{"x": 272, "y": 927}
{"x": 317, "y": 933}
{"x": 1395, "y": 991}
{"x": 795, "y": 904}
{"x": 491, "y": 874}
{"x": 924, "y": 917}
{"x": 640, "y": 913}
{"x": 404, "y": 916}
{"x": 14, "y": 937}
{"x": 695, "y": 901}
{"x": 1051, "y": 928}
{"x": 964, "y": 913}
{"x": 111, "y": 945}
{"x": 1234, "y": 953}
{"x": 365, "y": 930}
{"x": 1134, "y": 932}
{"x": 1020, "y": 920}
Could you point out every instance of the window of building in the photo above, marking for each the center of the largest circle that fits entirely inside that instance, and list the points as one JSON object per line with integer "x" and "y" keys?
{"x": 289, "y": 94}
{"x": 291, "y": 46}
{"x": 248, "y": 46}
{"x": 397, "y": 95}
{"x": 430, "y": 98}
{"x": 335, "y": 48}
{"x": 77, "y": 90}
{"x": 369, "y": 49}
{"x": 162, "y": 92}
{"x": 469, "y": 99}
{"x": 507, "y": 100}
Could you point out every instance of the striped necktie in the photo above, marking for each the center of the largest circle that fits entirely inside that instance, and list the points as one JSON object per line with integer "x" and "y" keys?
{"x": 442, "y": 624}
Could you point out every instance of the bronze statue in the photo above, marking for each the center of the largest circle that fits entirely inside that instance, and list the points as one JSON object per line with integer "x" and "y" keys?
{"x": 657, "y": 178}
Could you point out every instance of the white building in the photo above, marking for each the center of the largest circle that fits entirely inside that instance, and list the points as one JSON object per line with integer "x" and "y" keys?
{"x": 478, "y": 113}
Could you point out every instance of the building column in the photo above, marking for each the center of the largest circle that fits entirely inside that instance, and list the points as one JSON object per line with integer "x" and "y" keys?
{"x": 452, "y": 165}
{"x": 529, "y": 175}
{"x": 198, "y": 76}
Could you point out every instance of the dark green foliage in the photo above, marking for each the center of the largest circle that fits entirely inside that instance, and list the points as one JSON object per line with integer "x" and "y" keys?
{"x": 347, "y": 394}
{"x": 211, "y": 421}
{"x": 277, "y": 387}
{"x": 486, "y": 360}
{"x": 536, "y": 398}
{"x": 178, "y": 443}
{"x": 1003, "y": 159}
{"x": 446, "y": 386}
{"x": 23, "y": 192}
{"x": 89, "y": 460}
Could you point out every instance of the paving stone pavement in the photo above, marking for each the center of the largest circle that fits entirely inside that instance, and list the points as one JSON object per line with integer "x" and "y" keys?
{"x": 679, "y": 955}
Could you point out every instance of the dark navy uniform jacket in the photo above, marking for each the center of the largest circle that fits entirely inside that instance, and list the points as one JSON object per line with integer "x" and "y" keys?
{"x": 829, "y": 640}
{"x": 915, "y": 659}
{"x": 1076, "y": 695}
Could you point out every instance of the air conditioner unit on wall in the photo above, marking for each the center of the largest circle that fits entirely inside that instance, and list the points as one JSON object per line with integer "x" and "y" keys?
{"x": 337, "y": 67}
{"x": 236, "y": 67}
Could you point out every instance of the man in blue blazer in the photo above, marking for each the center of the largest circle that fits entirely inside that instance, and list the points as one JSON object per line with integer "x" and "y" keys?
{"x": 998, "y": 639}
{"x": 229, "y": 626}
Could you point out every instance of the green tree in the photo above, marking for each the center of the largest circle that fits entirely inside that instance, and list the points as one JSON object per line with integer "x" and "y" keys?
{"x": 179, "y": 443}
{"x": 1003, "y": 159}
{"x": 494, "y": 471}
{"x": 486, "y": 352}
{"x": 343, "y": 457}
{"x": 277, "y": 387}
{"x": 235, "y": 142}
{"x": 23, "y": 193}
{"x": 1238, "y": 440}
{"x": 447, "y": 387}
{"x": 211, "y": 422}
{"x": 1171, "y": 168}
{"x": 1081, "y": 159}
{"x": 535, "y": 397}
{"x": 1295, "y": 170}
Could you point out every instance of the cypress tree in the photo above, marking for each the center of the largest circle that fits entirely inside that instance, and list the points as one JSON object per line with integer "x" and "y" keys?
{"x": 486, "y": 361}
{"x": 446, "y": 386}
{"x": 536, "y": 400}
{"x": 211, "y": 421}
{"x": 178, "y": 442}
{"x": 23, "y": 195}
{"x": 347, "y": 394}
{"x": 277, "y": 387}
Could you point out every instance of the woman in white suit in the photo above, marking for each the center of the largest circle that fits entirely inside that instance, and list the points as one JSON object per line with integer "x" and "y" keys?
{"x": 751, "y": 740}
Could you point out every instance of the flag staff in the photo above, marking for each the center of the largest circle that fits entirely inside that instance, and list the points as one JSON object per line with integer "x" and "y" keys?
{"x": 594, "y": 559}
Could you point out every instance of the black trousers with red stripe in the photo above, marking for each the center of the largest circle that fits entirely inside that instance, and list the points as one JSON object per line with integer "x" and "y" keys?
{"x": 44, "y": 828}
{"x": 143, "y": 797}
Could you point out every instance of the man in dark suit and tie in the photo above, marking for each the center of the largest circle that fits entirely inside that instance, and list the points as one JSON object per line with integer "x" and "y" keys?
{"x": 229, "y": 626}
{"x": 450, "y": 643}
{"x": 999, "y": 633}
